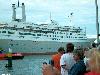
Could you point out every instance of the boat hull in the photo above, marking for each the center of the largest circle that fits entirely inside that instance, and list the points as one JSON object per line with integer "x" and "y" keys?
{"x": 14, "y": 56}
{"x": 28, "y": 46}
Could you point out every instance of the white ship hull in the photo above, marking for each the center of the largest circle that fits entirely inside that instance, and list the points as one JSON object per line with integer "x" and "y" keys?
{"x": 28, "y": 46}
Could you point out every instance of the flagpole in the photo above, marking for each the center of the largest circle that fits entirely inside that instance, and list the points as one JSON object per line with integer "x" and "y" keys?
{"x": 97, "y": 23}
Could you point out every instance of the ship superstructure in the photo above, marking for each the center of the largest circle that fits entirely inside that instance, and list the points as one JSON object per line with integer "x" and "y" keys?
{"x": 22, "y": 36}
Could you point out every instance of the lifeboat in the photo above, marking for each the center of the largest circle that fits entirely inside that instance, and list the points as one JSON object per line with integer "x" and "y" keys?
{"x": 14, "y": 56}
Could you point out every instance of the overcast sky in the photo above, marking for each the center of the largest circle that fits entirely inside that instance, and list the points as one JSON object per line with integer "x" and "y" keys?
{"x": 38, "y": 11}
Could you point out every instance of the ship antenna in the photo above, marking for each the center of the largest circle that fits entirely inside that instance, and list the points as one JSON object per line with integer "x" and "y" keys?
{"x": 18, "y": 3}
{"x": 70, "y": 18}
{"x": 71, "y": 14}
{"x": 85, "y": 30}
{"x": 50, "y": 16}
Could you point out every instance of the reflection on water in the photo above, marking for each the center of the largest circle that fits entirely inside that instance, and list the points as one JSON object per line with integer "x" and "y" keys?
{"x": 30, "y": 65}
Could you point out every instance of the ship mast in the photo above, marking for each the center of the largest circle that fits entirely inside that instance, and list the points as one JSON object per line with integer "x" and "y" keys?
{"x": 97, "y": 23}
{"x": 18, "y": 3}
{"x": 50, "y": 16}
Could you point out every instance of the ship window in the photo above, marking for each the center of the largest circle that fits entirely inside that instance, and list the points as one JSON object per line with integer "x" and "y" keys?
{"x": 21, "y": 36}
{"x": 53, "y": 38}
{"x": 33, "y": 34}
{"x": 49, "y": 48}
{"x": 28, "y": 26}
{"x": 3, "y": 31}
{"x": 45, "y": 32}
{"x": 70, "y": 33}
{"x": 61, "y": 36}
{"x": 61, "y": 33}
{"x": 50, "y": 35}
{"x": 41, "y": 48}
{"x": 45, "y": 35}
{"x": 80, "y": 37}
{"x": 10, "y": 32}
{"x": 11, "y": 44}
{"x": 16, "y": 44}
{"x": 26, "y": 33}
{"x": 38, "y": 34}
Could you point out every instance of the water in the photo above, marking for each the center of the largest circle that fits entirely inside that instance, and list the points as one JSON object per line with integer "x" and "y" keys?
{"x": 30, "y": 65}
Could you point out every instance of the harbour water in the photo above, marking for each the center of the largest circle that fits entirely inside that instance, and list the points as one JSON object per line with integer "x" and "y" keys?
{"x": 30, "y": 65}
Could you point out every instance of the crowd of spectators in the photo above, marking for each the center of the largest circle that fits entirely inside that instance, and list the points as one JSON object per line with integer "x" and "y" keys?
{"x": 79, "y": 61}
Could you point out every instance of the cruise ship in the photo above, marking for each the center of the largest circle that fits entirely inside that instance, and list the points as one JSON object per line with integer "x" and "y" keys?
{"x": 25, "y": 37}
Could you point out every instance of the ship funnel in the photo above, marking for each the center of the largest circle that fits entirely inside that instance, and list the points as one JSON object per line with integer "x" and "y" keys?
{"x": 23, "y": 19}
{"x": 14, "y": 12}
{"x": 23, "y": 13}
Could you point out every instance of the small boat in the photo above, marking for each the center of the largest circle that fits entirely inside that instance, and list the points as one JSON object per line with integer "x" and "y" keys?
{"x": 14, "y": 56}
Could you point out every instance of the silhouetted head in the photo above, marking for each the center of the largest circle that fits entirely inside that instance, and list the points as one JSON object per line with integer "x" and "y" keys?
{"x": 61, "y": 50}
{"x": 51, "y": 62}
{"x": 94, "y": 45}
{"x": 45, "y": 63}
{"x": 78, "y": 54}
{"x": 70, "y": 47}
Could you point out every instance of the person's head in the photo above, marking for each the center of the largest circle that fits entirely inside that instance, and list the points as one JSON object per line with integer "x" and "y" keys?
{"x": 94, "y": 45}
{"x": 94, "y": 62}
{"x": 78, "y": 55}
{"x": 86, "y": 52}
{"x": 61, "y": 50}
{"x": 51, "y": 62}
{"x": 45, "y": 63}
{"x": 70, "y": 47}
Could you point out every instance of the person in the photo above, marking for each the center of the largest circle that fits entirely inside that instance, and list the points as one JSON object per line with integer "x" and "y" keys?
{"x": 79, "y": 67}
{"x": 44, "y": 64}
{"x": 53, "y": 68}
{"x": 87, "y": 54}
{"x": 56, "y": 58}
{"x": 94, "y": 46}
{"x": 67, "y": 61}
{"x": 94, "y": 63}
{"x": 86, "y": 58}
{"x": 48, "y": 69}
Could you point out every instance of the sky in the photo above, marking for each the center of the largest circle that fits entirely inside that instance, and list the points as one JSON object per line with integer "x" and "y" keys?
{"x": 38, "y": 11}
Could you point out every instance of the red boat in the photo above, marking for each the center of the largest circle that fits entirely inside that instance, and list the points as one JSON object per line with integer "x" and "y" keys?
{"x": 14, "y": 56}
